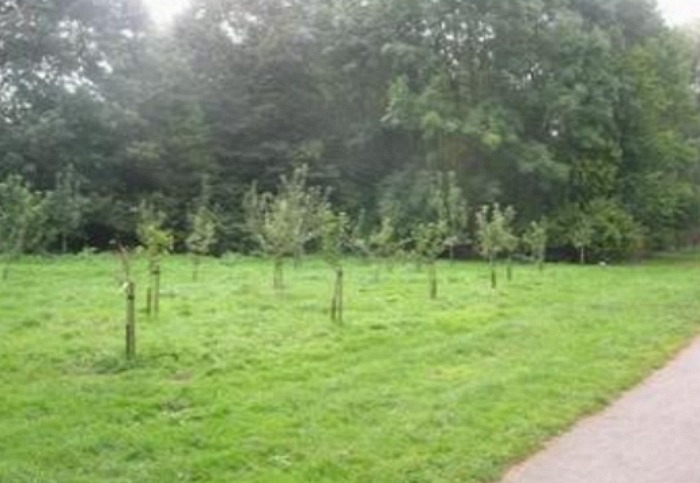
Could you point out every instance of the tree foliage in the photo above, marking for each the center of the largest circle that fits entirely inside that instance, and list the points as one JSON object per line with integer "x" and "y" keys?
{"x": 335, "y": 239}
{"x": 495, "y": 234}
{"x": 203, "y": 227}
{"x": 66, "y": 205}
{"x": 283, "y": 223}
{"x": 23, "y": 220}
{"x": 153, "y": 236}
{"x": 552, "y": 107}
{"x": 535, "y": 239}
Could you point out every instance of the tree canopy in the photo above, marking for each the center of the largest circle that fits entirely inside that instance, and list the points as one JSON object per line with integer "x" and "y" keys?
{"x": 564, "y": 109}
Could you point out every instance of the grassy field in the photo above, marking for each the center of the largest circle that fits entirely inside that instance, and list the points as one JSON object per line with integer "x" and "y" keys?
{"x": 234, "y": 383}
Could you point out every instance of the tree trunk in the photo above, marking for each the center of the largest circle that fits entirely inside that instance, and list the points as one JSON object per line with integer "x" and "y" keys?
{"x": 433, "y": 279}
{"x": 582, "y": 255}
{"x": 156, "y": 291}
{"x": 195, "y": 269}
{"x": 130, "y": 321}
{"x": 494, "y": 281}
{"x": 64, "y": 244}
{"x": 337, "y": 301}
{"x": 340, "y": 304}
{"x": 277, "y": 276}
{"x": 509, "y": 269}
{"x": 452, "y": 253}
{"x": 149, "y": 301}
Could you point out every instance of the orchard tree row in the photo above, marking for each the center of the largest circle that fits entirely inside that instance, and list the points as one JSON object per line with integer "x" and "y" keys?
{"x": 286, "y": 223}
{"x": 583, "y": 112}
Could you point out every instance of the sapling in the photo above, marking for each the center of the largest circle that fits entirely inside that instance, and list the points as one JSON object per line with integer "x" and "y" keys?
{"x": 430, "y": 239}
{"x": 129, "y": 289}
{"x": 535, "y": 240}
{"x": 283, "y": 223}
{"x": 493, "y": 235}
{"x": 23, "y": 216}
{"x": 581, "y": 236}
{"x": 383, "y": 245}
{"x": 157, "y": 241}
{"x": 66, "y": 205}
{"x": 359, "y": 237}
{"x": 455, "y": 212}
{"x": 203, "y": 226}
{"x": 510, "y": 240}
{"x": 335, "y": 237}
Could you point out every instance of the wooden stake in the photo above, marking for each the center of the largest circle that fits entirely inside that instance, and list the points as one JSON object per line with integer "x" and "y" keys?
{"x": 130, "y": 321}
{"x": 156, "y": 291}
{"x": 493, "y": 274}
{"x": 337, "y": 300}
{"x": 195, "y": 271}
{"x": 433, "y": 279}
{"x": 339, "y": 295}
{"x": 277, "y": 277}
{"x": 149, "y": 300}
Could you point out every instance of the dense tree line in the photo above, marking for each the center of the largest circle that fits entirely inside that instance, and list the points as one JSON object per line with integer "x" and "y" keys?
{"x": 583, "y": 112}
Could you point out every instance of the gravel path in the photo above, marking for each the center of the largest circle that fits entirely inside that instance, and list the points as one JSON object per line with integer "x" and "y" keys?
{"x": 651, "y": 435}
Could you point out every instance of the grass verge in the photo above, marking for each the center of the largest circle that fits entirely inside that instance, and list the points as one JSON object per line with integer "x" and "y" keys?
{"x": 236, "y": 383}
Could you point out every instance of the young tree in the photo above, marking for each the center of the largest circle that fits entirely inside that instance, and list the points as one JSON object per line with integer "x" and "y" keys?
{"x": 203, "y": 224}
{"x": 535, "y": 239}
{"x": 493, "y": 233}
{"x": 283, "y": 223}
{"x": 335, "y": 237}
{"x": 455, "y": 212}
{"x": 66, "y": 205}
{"x": 581, "y": 236}
{"x": 430, "y": 239}
{"x": 445, "y": 209}
{"x": 510, "y": 240}
{"x": 157, "y": 241}
{"x": 23, "y": 216}
{"x": 129, "y": 288}
{"x": 383, "y": 244}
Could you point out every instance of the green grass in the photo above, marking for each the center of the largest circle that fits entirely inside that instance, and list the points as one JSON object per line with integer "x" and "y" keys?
{"x": 234, "y": 383}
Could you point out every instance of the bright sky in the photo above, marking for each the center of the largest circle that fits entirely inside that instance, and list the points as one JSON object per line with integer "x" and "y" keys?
{"x": 164, "y": 11}
{"x": 678, "y": 12}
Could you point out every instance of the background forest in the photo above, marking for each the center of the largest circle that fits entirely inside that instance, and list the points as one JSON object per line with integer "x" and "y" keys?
{"x": 580, "y": 112}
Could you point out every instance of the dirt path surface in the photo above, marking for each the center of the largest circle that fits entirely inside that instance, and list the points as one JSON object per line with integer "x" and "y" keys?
{"x": 651, "y": 435}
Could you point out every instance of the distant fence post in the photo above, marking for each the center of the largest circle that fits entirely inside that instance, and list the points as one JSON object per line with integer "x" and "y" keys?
{"x": 130, "y": 320}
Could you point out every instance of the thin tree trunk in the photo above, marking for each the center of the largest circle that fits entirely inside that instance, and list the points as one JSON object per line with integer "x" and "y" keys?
{"x": 149, "y": 301}
{"x": 337, "y": 300}
{"x": 452, "y": 253}
{"x": 130, "y": 321}
{"x": 582, "y": 255}
{"x": 340, "y": 304}
{"x": 195, "y": 269}
{"x": 494, "y": 281}
{"x": 432, "y": 274}
{"x": 277, "y": 276}
{"x": 509, "y": 269}
{"x": 64, "y": 243}
{"x": 156, "y": 291}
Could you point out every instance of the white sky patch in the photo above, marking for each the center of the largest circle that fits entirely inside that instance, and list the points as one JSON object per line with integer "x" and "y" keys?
{"x": 676, "y": 12}
{"x": 163, "y": 12}
{"x": 679, "y": 12}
